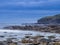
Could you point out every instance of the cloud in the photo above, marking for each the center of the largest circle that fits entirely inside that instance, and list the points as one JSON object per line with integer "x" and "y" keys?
{"x": 21, "y": 2}
{"x": 30, "y": 4}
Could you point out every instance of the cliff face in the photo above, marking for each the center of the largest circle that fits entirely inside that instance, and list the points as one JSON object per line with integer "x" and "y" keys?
{"x": 50, "y": 20}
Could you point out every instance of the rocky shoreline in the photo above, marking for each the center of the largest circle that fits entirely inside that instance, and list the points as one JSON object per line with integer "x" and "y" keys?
{"x": 42, "y": 28}
{"x": 45, "y": 24}
{"x": 21, "y": 37}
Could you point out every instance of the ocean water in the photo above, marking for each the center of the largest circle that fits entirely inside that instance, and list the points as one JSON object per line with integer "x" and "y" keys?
{"x": 19, "y": 34}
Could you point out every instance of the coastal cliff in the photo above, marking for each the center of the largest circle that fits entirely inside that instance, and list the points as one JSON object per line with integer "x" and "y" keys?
{"x": 50, "y": 20}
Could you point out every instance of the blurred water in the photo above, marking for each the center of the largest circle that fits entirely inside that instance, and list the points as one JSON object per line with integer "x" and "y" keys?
{"x": 19, "y": 34}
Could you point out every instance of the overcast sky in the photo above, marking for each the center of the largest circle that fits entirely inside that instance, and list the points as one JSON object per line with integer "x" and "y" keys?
{"x": 27, "y": 11}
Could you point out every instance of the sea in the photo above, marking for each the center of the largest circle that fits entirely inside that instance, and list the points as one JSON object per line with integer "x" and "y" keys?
{"x": 20, "y": 34}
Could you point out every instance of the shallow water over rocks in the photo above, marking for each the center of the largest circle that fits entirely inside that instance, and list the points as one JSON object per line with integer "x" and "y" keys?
{"x": 19, "y": 34}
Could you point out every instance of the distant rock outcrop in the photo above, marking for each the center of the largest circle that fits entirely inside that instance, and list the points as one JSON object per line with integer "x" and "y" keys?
{"x": 46, "y": 24}
{"x": 50, "y": 20}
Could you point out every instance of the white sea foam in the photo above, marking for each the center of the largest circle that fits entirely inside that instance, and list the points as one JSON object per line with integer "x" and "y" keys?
{"x": 21, "y": 33}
